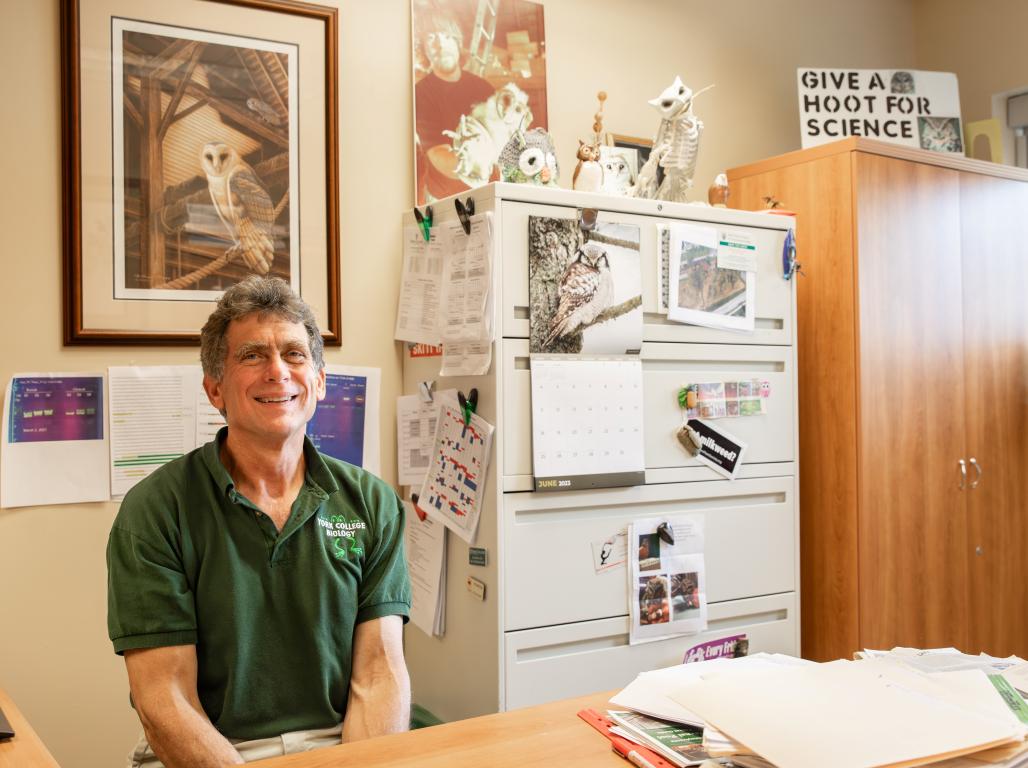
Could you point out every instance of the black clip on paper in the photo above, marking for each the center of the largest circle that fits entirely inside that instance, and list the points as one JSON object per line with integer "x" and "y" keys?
{"x": 465, "y": 211}
{"x": 665, "y": 533}
{"x": 424, "y": 221}
{"x": 587, "y": 218}
{"x": 468, "y": 405}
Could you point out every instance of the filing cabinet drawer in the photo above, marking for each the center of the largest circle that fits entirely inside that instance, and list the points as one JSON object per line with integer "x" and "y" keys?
{"x": 549, "y": 573}
{"x": 774, "y": 296}
{"x": 551, "y": 663}
{"x": 666, "y": 368}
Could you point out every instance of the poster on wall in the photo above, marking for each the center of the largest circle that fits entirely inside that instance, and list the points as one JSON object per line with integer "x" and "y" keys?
{"x": 479, "y": 75}
{"x": 901, "y": 106}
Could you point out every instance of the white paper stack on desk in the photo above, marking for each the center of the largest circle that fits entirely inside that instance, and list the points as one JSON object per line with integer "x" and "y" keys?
{"x": 883, "y": 710}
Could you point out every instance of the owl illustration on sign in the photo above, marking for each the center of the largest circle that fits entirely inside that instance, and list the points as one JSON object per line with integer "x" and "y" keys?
{"x": 242, "y": 203}
{"x": 530, "y": 158}
{"x": 586, "y": 289}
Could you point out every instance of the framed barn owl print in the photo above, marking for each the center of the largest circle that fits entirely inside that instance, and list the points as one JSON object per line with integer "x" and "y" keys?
{"x": 195, "y": 156}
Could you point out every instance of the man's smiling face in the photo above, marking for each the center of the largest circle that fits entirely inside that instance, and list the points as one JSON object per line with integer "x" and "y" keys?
{"x": 270, "y": 387}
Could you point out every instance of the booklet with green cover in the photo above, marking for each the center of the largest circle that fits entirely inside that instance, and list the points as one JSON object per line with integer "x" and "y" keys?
{"x": 681, "y": 744}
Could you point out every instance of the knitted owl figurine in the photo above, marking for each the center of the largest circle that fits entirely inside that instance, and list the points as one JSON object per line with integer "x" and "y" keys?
{"x": 529, "y": 158}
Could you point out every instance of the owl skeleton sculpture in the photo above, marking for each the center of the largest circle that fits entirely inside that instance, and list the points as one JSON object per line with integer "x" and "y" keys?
{"x": 242, "y": 203}
{"x": 586, "y": 289}
{"x": 675, "y": 147}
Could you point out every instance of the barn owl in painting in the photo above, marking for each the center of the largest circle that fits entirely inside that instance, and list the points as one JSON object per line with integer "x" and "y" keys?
{"x": 242, "y": 203}
{"x": 586, "y": 289}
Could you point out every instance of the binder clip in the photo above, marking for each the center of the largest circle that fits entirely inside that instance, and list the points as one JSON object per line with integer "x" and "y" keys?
{"x": 587, "y": 218}
{"x": 418, "y": 510}
{"x": 424, "y": 221}
{"x": 666, "y": 534}
{"x": 789, "y": 264}
{"x": 426, "y": 390}
{"x": 464, "y": 212}
{"x": 468, "y": 405}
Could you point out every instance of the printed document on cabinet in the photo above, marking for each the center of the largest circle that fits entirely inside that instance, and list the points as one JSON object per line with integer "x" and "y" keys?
{"x": 417, "y": 312}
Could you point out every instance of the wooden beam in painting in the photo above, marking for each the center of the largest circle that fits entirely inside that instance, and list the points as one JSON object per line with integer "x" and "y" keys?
{"x": 173, "y": 57}
{"x": 151, "y": 181}
{"x": 189, "y": 110}
{"x": 245, "y": 119}
{"x": 187, "y": 75}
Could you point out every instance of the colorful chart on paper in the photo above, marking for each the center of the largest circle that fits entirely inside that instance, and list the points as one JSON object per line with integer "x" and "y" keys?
{"x": 337, "y": 428}
{"x": 54, "y": 409}
{"x": 453, "y": 488}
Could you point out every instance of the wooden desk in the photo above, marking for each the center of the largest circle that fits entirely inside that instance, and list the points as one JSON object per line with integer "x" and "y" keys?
{"x": 25, "y": 750}
{"x": 550, "y": 734}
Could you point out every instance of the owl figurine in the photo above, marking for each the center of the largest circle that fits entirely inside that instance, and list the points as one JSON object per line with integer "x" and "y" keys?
{"x": 529, "y": 158}
{"x": 618, "y": 176}
{"x": 717, "y": 194}
{"x": 588, "y": 176}
{"x": 586, "y": 289}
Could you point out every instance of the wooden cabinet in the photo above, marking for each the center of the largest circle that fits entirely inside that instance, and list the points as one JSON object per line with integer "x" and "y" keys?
{"x": 913, "y": 374}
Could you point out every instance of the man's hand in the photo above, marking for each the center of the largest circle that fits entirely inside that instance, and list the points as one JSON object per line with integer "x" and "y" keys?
{"x": 379, "y": 700}
{"x": 163, "y": 684}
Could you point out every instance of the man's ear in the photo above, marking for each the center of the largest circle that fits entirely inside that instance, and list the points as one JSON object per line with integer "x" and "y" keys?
{"x": 213, "y": 390}
{"x": 320, "y": 391}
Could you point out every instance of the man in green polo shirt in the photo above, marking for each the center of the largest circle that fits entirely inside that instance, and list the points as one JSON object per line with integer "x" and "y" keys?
{"x": 257, "y": 589}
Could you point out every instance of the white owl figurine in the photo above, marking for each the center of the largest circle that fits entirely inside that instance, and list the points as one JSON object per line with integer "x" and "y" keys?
{"x": 617, "y": 172}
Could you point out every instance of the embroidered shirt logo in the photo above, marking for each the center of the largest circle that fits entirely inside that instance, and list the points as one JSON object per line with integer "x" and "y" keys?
{"x": 343, "y": 534}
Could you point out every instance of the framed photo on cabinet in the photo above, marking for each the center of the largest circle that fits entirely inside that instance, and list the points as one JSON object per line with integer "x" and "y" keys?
{"x": 195, "y": 156}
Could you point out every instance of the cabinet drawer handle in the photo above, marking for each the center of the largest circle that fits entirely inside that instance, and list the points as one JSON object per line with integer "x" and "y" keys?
{"x": 963, "y": 473}
{"x": 978, "y": 470}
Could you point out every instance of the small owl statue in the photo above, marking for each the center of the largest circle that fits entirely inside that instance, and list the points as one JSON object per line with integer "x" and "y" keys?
{"x": 588, "y": 175}
{"x": 529, "y": 158}
{"x": 717, "y": 194}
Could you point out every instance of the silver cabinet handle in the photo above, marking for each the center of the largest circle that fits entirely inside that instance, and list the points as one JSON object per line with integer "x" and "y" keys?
{"x": 978, "y": 469}
{"x": 963, "y": 474}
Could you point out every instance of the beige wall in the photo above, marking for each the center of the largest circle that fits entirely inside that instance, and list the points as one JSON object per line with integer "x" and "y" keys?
{"x": 982, "y": 41}
{"x": 54, "y": 656}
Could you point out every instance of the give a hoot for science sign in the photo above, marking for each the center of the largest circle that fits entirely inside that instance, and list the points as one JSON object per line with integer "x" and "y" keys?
{"x": 902, "y": 106}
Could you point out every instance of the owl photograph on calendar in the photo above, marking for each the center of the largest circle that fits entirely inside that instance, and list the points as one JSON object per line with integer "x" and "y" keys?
{"x": 585, "y": 287}
{"x": 206, "y": 161}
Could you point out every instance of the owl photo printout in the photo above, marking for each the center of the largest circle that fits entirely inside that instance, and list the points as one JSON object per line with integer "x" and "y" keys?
{"x": 209, "y": 194}
{"x": 667, "y": 592}
{"x": 585, "y": 292}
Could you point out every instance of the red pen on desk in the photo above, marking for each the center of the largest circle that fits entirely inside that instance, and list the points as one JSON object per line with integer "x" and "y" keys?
{"x": 624, "y": 748}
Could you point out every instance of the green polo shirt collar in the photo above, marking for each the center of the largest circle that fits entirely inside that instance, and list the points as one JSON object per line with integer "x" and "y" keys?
{"x": 317, "y": 472}
{"x": 318, "y": 485}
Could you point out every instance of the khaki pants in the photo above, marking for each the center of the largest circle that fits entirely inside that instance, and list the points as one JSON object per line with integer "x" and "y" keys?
{"x": 257, "y": 749}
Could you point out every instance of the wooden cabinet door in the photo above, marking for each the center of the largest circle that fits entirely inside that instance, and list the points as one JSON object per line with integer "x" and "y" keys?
{"x": 912, "y": 527}
{"x": 994, "y": 218}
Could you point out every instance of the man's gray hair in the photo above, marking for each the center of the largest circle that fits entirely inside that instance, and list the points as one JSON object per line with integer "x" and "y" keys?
{"x": 266, "y": 296}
